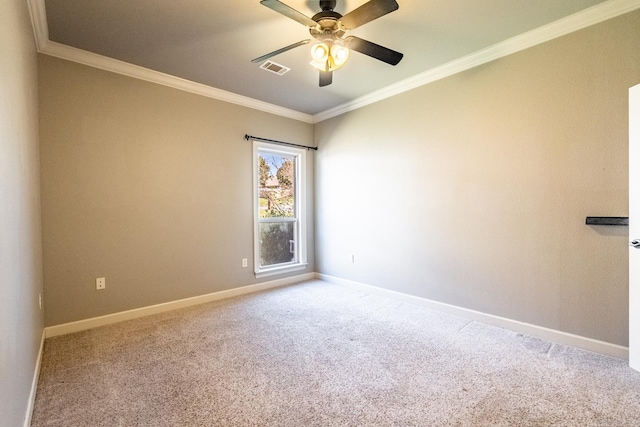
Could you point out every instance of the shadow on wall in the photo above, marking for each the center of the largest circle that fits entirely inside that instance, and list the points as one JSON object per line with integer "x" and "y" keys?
{"x": 610, "y": 230}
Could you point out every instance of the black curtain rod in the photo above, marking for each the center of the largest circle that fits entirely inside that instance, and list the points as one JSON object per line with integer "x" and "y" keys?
{"x": 248, "y": 137}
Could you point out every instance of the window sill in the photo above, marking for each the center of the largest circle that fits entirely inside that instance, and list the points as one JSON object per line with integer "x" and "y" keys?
{"x": 280, "y": 270}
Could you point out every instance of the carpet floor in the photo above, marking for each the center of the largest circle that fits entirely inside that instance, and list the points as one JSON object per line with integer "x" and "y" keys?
{"x": 318, "y": 354}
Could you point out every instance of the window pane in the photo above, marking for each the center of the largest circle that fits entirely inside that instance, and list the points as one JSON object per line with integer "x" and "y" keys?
{"x": 279, "y": 214}
{"x": 276, "y": 184}
{"x": 276, "y": 243}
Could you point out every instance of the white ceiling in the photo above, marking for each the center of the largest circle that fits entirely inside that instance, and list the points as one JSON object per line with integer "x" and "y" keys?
{"x": 211, "y": 42}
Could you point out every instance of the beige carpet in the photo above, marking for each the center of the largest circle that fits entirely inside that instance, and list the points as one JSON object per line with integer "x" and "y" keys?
{"x": 317, "y": 354}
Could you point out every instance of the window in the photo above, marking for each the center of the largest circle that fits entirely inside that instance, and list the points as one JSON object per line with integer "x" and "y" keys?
{"x": 279, "y": 209}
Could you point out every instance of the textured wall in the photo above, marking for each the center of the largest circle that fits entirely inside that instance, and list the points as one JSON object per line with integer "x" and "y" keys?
{"x": 21, "y": 319}
{"x": 147, "y": 186}
{"x": 473, "y": 190}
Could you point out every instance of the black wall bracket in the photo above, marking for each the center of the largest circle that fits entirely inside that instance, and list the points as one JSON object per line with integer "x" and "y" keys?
{"x": 607, "y": 220}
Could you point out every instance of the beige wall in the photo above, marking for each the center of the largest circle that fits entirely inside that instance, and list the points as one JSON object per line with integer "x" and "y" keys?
{"x": 473, "y": 190}
{"x": 147, "y": 186}
{"x": 21, "y": 320}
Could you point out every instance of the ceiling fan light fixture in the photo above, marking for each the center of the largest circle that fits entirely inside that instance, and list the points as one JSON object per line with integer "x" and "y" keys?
{"x": 329, "y": 55}
{"x": 320, "y": 56}
{"x": 328, "y": 27}
{"x": 339, "y": 55}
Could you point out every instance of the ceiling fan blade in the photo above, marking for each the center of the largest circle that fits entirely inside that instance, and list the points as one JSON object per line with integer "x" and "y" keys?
{"x": 373, "y": 50}
{"x": 326, "y": 77}
{"x": 369, "y": 11}
{"x": 289, "y": 12}
{"x": 279, "y": 51}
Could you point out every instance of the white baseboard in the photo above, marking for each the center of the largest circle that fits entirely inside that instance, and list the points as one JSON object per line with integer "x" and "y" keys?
{"x": 34, "y": 384}
{"x": 560, "y": 337}
{"x": 81, "y": 325}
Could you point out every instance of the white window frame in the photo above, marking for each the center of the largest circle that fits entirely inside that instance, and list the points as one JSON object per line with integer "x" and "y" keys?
{"x": 300, "y": 229}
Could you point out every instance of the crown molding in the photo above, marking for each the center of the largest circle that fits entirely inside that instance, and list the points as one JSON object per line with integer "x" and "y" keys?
{"x": 591, "y": 16}
{"x": 39, "y": 22}
{"x": 44, "y": 45}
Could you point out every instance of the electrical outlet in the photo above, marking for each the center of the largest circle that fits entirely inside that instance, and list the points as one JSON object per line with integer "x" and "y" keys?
{"x": 101, "y": 283}
{"x": 352, "y": 259}
{"x": 244, "y": 262}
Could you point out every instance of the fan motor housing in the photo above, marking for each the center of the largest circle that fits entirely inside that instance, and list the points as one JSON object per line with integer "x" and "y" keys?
{"x": 326, "y": 15}
{"x": 327, "y": 24}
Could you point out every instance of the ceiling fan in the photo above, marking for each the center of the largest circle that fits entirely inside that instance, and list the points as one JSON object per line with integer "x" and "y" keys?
{"x": 331, "y": 50}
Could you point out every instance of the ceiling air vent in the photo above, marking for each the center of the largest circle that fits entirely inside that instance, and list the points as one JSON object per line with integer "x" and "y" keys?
{"x": 275, "y": 68}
